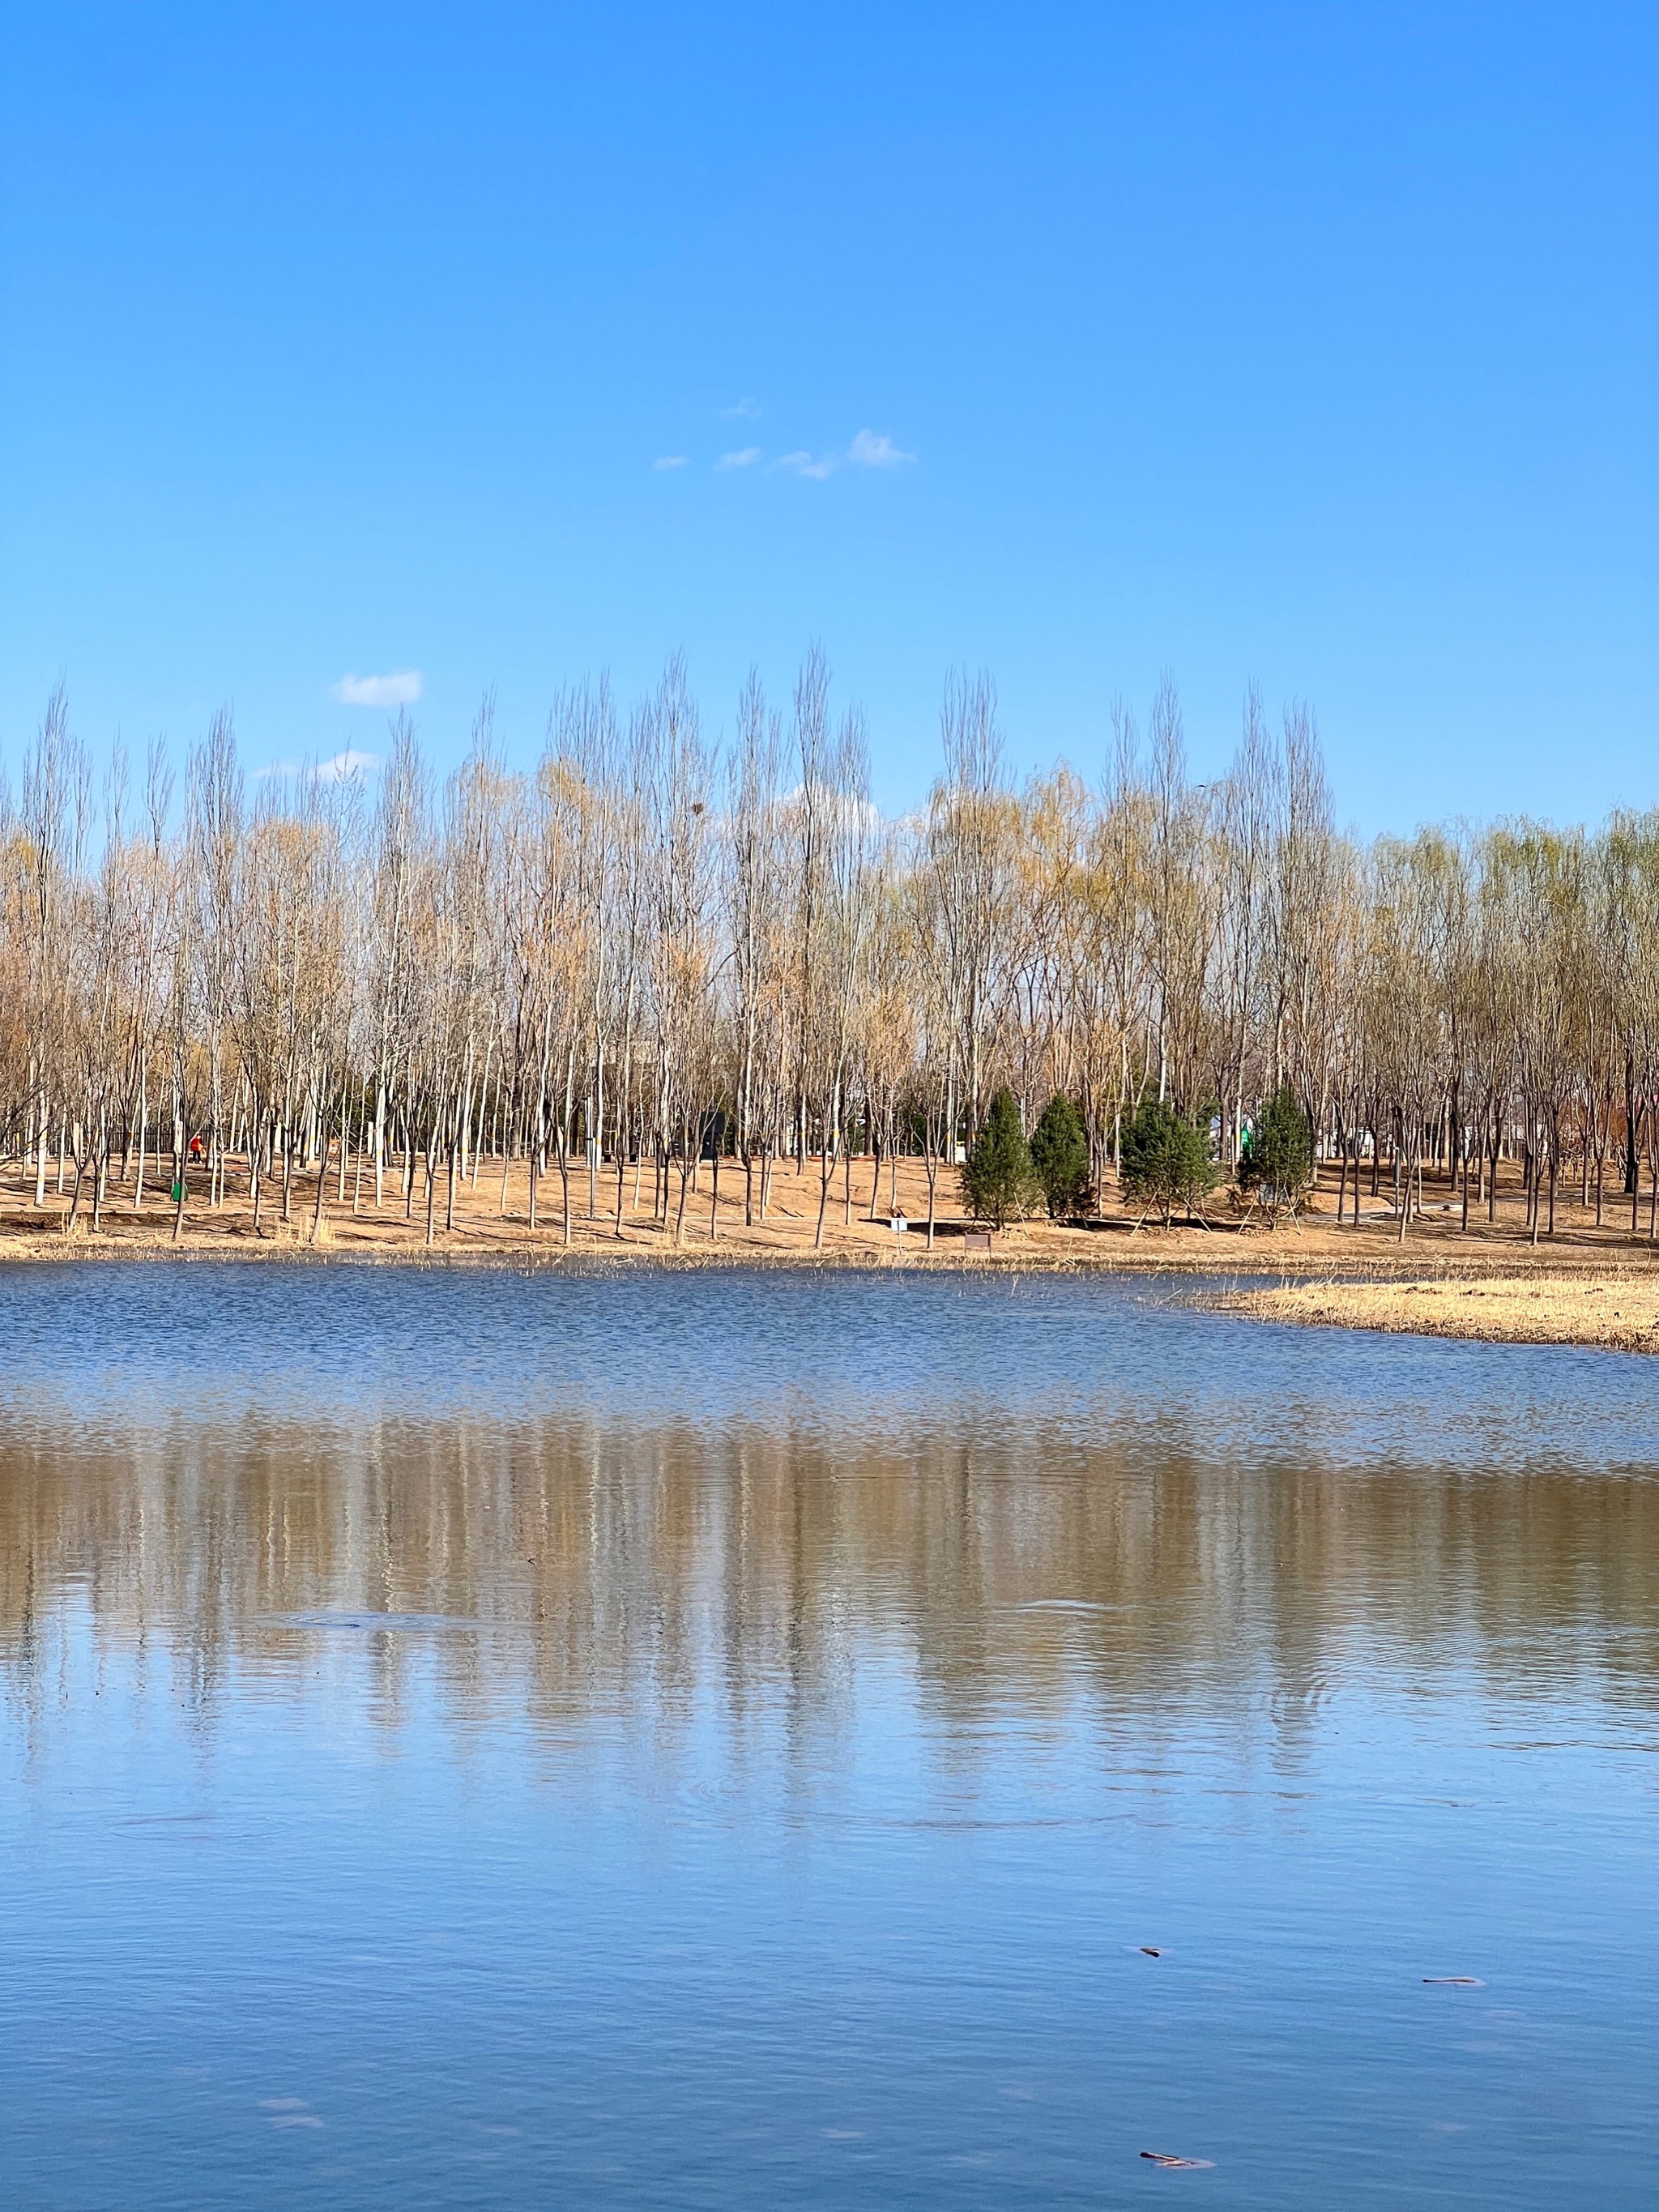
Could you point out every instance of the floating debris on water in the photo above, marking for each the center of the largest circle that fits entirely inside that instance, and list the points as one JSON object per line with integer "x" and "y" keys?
{"x": 394, "y": 1624}
{"x": 1453, "y": 1982}
{"x": 1167, "y": 2158}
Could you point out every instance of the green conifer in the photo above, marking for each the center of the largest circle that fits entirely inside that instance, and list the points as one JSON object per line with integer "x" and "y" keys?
{"x": 1164, "y": 1162}
{"x": 1276, "y": 1165}
{"x": 1060, "y": 1154}
{"x": 999, "y": 1183}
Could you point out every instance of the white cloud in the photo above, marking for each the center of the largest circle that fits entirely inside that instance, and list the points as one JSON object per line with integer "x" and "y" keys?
{"x": 342, "y": 768}
{"x": 874, "y": 449}
{"x": 671, "y": 461}
{"x": 870, "y": 449}
{"x": 746, "y": 410}
{"x": 401, "y": 690}
{"x": 844, "y": 808}
{"x": 345, "y": 766}
{"x": 745, "y": 459}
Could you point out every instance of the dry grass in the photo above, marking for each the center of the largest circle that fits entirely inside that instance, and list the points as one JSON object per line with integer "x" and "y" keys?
{"x": 1618, "y": 1312}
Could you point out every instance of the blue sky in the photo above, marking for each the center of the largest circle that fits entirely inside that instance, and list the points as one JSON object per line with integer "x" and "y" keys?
{"x": 1310, "y": 345}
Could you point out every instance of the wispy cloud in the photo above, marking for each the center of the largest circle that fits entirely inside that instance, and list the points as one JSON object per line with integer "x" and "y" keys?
{"x": 348, "y": 766}
{"x": 744, "y": 459}
{"x": 874, "y": 449}
{"x": 746, "y": 410}
{"x": 670, "y": 461}
{"x": 870, "y": 449}
{"x": 401, "y": 690}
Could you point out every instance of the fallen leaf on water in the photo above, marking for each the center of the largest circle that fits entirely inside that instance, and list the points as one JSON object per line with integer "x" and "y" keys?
{"x": 1169, "y": 2157}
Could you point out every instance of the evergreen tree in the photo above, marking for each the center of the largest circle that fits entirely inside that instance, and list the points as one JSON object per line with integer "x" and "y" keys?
{"x": 1060, "y": 1154}
{"x": 1165, "y": 1161}
{"x": 1276, "y": 1165}
{"x": 999, "y": 1183}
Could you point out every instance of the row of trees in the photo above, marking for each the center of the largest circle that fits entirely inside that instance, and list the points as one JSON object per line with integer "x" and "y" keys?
{"x": 649, "y": 951}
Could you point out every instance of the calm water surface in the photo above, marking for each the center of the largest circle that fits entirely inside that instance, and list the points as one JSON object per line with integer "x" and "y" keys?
{"x": 516, "y": 1740}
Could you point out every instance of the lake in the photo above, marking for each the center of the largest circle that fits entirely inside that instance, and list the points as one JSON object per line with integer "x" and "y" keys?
{"x": 506, "y": 1738}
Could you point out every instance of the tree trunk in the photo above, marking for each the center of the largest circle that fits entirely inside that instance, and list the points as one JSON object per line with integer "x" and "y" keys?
{"x": 323, "y": 1134}
{"x": 826, "y": 1172}
{"x": 178, "y": 1179}
{"x": 1468, "y": 1162}
{"x": 685, "y": 1185}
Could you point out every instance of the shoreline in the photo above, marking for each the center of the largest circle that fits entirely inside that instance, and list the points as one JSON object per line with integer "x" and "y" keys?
{"x": 1479, "y": 1300}
{"x": 1593, "y": 1286}
{"x": 1574, "y": 1300}
{"x": 1099, "y": 1248}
